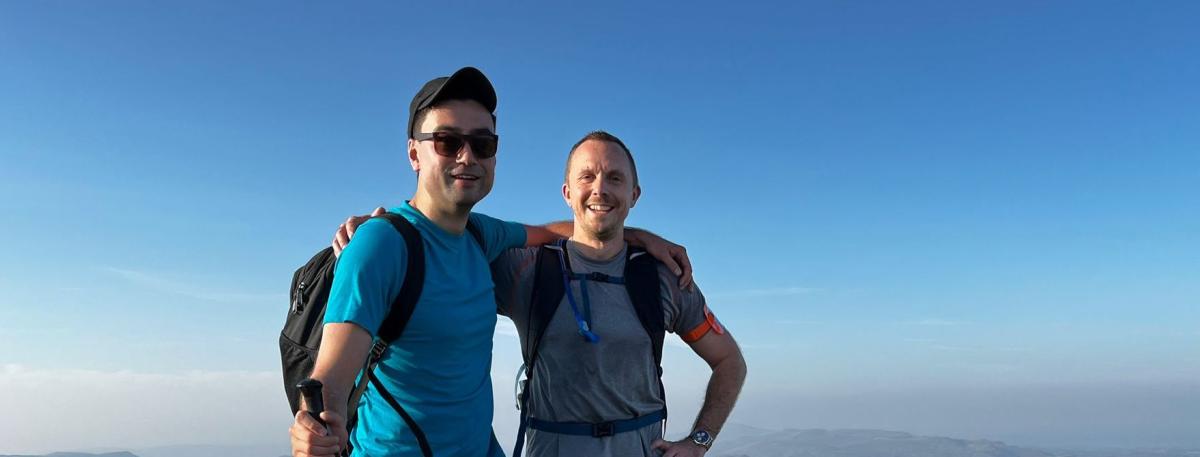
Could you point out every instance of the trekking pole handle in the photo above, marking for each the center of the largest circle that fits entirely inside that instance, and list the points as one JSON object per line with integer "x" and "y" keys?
{"x": 314, "y": 403}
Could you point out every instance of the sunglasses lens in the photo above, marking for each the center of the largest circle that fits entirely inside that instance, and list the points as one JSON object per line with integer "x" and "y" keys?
{"x": 446, "y": 144}
{"x": 449, "y": 144}
{"x": 484, "y": 147}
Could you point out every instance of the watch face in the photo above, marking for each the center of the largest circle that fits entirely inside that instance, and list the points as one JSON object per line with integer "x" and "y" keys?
{"x": 701, "y": 437}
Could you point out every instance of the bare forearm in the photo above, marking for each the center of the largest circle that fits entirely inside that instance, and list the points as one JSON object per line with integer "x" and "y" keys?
{"x": 636, "y": 236}
{"x": 561, "y": 229}
{"x": 344, "y": 347}
{"x": 723, "y": 389}
{"x": 333, "y": 394}
{"x": 538, "y": 235}
{"x": 564, "y": 229}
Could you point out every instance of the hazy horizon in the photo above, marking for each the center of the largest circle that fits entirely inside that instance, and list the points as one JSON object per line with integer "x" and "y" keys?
{"x": 245, "y": 408}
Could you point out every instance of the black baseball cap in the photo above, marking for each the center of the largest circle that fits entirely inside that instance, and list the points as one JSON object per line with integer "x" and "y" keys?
{"x": 468, "y": 83}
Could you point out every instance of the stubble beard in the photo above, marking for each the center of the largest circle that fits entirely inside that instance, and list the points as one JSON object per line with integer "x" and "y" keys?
{"x": 465, "y": 199}
{"x": 603, "y": 234}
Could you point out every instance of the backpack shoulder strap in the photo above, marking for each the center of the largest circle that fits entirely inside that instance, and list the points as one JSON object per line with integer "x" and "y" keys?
{"x": 642, "y": 283}
{"x": 547, "y": 294}
{"x": 393, "y": 326}
{"x": 477, "y": 234}
{"x": 414, "y": 279}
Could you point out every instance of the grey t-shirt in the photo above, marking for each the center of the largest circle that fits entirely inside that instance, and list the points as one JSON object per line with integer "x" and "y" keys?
{"x": 578, "y": 381}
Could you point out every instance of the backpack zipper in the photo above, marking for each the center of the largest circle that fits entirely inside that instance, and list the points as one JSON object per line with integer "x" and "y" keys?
{"x": 298, "y": 299}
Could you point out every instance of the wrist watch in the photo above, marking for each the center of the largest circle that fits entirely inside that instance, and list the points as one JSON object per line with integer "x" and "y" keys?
{"x": 702, "y": 438}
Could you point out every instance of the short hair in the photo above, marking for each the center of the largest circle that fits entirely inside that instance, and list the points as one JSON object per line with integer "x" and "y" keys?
{"x": 419, "y": 117}
{"x": 600, "y": 135}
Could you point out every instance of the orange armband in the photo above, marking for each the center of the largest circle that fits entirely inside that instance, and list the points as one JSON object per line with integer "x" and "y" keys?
{"x": 710, "y": 323}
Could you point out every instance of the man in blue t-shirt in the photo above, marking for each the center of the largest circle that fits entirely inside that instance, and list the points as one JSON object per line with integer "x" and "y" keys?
{"x": 439, "y": 368}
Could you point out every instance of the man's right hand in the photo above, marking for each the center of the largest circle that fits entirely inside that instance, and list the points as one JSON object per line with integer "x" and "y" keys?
{"x": 342, "y": 236}
{"x": 311, "y": 439}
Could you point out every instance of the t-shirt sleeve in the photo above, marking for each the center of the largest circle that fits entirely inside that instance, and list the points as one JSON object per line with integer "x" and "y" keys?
{"x": 498, "y": 235}
{"x": 685, "y": 311}
{"x": 512, "y": 273}
{"x": 368, "y": 276}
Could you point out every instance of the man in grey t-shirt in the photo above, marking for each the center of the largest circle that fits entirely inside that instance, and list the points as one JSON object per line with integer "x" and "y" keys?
{"x": 612, "y": 378}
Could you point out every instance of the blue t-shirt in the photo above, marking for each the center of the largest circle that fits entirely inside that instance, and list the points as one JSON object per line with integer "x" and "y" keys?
{"x": 439, "y": 368}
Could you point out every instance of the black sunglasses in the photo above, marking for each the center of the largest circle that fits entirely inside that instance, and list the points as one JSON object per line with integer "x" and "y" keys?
{"x": 449, "y": 144}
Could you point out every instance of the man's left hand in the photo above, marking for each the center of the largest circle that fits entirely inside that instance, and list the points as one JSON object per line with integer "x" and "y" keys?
{"x": 670, "y": 254}
{"x": 681, "y": 448}
{"x": 345, "y": 231}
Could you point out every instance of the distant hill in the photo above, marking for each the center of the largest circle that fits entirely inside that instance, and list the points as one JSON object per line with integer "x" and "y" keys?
{"x": 217, "y": 451}
{"x": 859, "y": 443}
{"x": 1128, "y": 453}
{"x": 738, "y": 440}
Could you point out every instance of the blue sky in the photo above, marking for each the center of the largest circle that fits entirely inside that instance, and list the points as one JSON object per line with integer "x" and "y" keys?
{"x": 968, "y": 206}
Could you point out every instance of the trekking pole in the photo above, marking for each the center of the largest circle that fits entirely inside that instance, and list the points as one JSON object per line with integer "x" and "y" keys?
{"x": 314, "y": 404}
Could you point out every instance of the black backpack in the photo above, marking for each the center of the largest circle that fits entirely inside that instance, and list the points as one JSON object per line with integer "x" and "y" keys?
{"x": 301, "y": 335}
{"x": 641, "y": 281}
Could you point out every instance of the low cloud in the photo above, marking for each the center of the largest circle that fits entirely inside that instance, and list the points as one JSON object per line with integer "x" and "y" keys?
{"x": 64, "y": 409}
{"x": 505, "y": 327}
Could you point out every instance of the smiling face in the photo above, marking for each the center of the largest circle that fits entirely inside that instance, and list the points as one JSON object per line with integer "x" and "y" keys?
{"x": 600, "y": 189}
{"x": 460, "y": 181}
